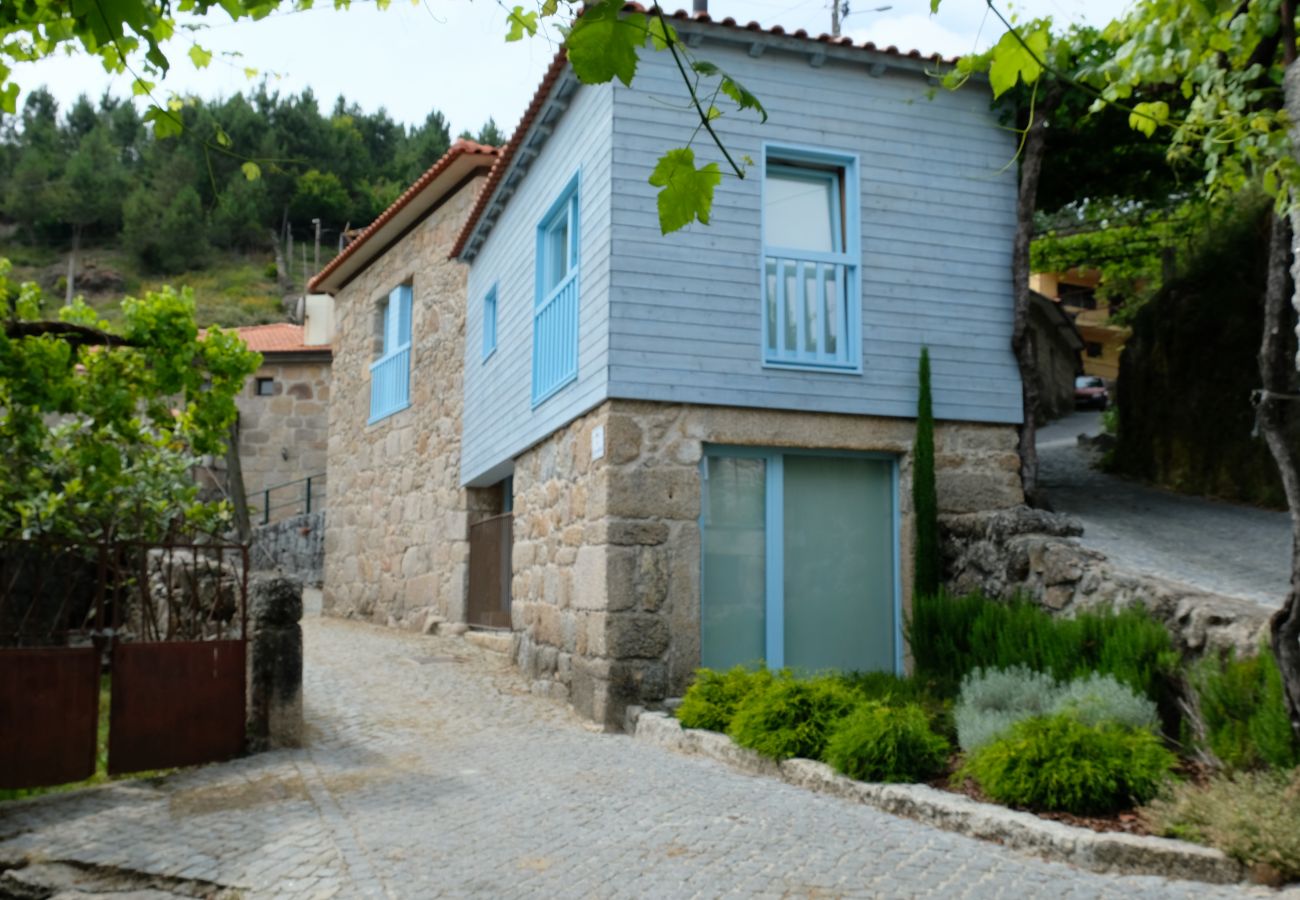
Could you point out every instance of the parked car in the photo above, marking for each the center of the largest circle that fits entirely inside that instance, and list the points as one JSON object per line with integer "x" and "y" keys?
{"x": 1090, "y": 391}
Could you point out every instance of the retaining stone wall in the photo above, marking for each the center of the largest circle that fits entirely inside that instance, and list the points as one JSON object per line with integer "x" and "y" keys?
{"x": 1035, "y": 553}
{"x": 396, "y": 541}
{"x": 293, "y": 546}
{"x": 607, "y": 552}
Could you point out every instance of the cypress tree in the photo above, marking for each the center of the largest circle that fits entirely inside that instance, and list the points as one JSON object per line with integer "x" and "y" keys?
{"x": 925, "y": 503}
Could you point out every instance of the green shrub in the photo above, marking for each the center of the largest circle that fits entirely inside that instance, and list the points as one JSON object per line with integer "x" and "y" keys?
{"x": 1251, "y": 816}
{"x": 993, "y": 700}
{"x": 792, "y": 718}
{"x": 712, "y": 700}
{"x": 1102, "y": 700}
{"x": 895, "y": 690}
{"x": 951, "y": 636}
{"x": 1058, "y": 763}
{"x": 1245, "y": 713}
{"x": 876, "y": 742}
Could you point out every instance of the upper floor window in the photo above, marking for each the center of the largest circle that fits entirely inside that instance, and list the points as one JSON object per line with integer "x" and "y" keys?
{"x": 390, "y": 373}
{"x": 811, "y": 252}
{"x": 555, "y": 311}
{"x": 490, "y": 322}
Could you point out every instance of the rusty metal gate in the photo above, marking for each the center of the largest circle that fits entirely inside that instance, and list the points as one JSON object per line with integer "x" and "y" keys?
{"x": 489, "y": 572}
{"x": 162, "y": 628}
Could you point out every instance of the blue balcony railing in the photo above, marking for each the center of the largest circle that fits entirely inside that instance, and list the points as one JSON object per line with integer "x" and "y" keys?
{"x": 390, "y": 384}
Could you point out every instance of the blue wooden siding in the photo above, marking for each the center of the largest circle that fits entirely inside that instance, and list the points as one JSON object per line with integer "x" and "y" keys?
{"x": 500, "y": 420}
{"x": 937, "y": 205}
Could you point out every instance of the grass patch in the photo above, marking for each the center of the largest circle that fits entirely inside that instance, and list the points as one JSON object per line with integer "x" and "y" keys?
{"x": 1254, "y": 817}
{"x": 952, "y": 636}
{"x": 234, "y": 290}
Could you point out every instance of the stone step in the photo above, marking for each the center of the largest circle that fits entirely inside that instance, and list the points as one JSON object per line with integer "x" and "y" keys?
{"x": 492, "y": 641}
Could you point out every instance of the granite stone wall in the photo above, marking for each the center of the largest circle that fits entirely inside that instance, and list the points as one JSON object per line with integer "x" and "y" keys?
{"x": 607, "y": 551}
{"x": 283, "y": 437}
{"x": 396, "y": 543}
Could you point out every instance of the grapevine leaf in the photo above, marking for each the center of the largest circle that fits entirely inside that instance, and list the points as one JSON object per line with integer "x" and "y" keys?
{"x": 662, "y": 35}
{"x": 686, "y": 193}
{"x": 200, "y": 57}
{"x": 252, "y": 171}
{"x": 222, "y": 139}
{"x": 743, "y": 98}
{"x": 521, "y": 22}
{"x": 603, "y": 43}
{"x": 1014, "y": 61}
{"x": 165, "y": 124}
{"x": 549, "y": 7}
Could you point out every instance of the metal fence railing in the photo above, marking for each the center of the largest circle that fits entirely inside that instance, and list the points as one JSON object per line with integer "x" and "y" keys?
{"x": 302, "y": 495}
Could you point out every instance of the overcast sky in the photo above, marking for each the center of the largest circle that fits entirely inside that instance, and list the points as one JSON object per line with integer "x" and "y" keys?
{"x": 450, "y": 54}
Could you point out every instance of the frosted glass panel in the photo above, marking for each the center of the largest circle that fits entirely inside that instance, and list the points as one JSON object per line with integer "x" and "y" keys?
{"x": 732, "y": 602}
{"x": 839, "y": 579}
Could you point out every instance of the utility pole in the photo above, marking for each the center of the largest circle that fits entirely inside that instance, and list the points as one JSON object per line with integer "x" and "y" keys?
{"x": 316, "y": 261}
{"x": 840, "y": 12}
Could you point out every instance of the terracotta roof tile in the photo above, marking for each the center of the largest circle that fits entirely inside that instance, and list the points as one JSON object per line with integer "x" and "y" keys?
{"x": 508, "y": 152}
{"x": 279, "y": 337}
{"x": 458, "y": 149}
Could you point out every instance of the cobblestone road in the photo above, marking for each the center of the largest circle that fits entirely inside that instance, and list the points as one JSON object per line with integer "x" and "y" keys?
{"x": 1225, "y": 548}
{"x": 432, "y": 772}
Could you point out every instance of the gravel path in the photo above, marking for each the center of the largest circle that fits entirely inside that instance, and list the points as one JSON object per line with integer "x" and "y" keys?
{"x": 1223, "y": 548}
{"x": 433, "y": 772}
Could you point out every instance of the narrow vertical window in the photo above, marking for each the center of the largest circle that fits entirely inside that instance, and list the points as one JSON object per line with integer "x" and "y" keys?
{"x": 390, "y": 373}
{"x": 811, "y": 251}
{"x": 490, "y": 322}
{"x": 555, "y": 312}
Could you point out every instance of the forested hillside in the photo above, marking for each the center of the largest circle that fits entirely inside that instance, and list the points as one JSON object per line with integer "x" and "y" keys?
{"x": 91, "y": 182}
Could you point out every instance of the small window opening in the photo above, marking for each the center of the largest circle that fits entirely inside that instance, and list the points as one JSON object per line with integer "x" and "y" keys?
{"x": 265, "y": 387}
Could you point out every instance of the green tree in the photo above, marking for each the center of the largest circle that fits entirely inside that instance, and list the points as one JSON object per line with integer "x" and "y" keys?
{"x": 928, "y": 574}
{"x": 320, "y": 195}
{"x": 489, "y": 134}
{"x": 167, "y": 233}
{"x": 102, "y": 429}
{"x": 89, "y": 193}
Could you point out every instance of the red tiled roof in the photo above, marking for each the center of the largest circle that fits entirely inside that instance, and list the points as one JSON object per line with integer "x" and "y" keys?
{"x": 460, "y": 148}
{"x": 279, "y": 337}
{"x": 507, "y": 153}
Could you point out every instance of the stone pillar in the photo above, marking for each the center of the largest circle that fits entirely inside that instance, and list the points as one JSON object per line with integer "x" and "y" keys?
{"x": 274, "y": 705}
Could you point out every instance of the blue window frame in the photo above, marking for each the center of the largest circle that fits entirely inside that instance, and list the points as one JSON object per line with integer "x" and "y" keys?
{"x": 555, "y": 310}
{"x": 390, "y": 374}
{"x": 490, "y": 322}
{"x": 812, "y": 249}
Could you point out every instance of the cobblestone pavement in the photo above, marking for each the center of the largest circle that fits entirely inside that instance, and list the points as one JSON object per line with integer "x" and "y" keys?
{"x": 1224, "y": 548}
{"x": 433, "y": 772}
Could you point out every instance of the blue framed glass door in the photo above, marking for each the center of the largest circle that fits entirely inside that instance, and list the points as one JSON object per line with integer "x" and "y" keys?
{"x": 799, "y": 560}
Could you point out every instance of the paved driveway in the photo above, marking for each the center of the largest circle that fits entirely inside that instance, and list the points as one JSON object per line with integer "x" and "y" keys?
{"x": 432, "y": 772}
{"x": 1224, "y": 548}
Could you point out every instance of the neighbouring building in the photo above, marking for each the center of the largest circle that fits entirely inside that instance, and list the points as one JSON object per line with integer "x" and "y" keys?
{"x": 648, "y": 452}
{"x": 284, "y": 414}
{"x": 1058, "y": 349}
{"x": 1076, "y": 292}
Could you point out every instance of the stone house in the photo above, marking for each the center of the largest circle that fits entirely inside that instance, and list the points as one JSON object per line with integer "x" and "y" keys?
{"x": 647, "y": 452}
{"x": 284, "y": 417}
